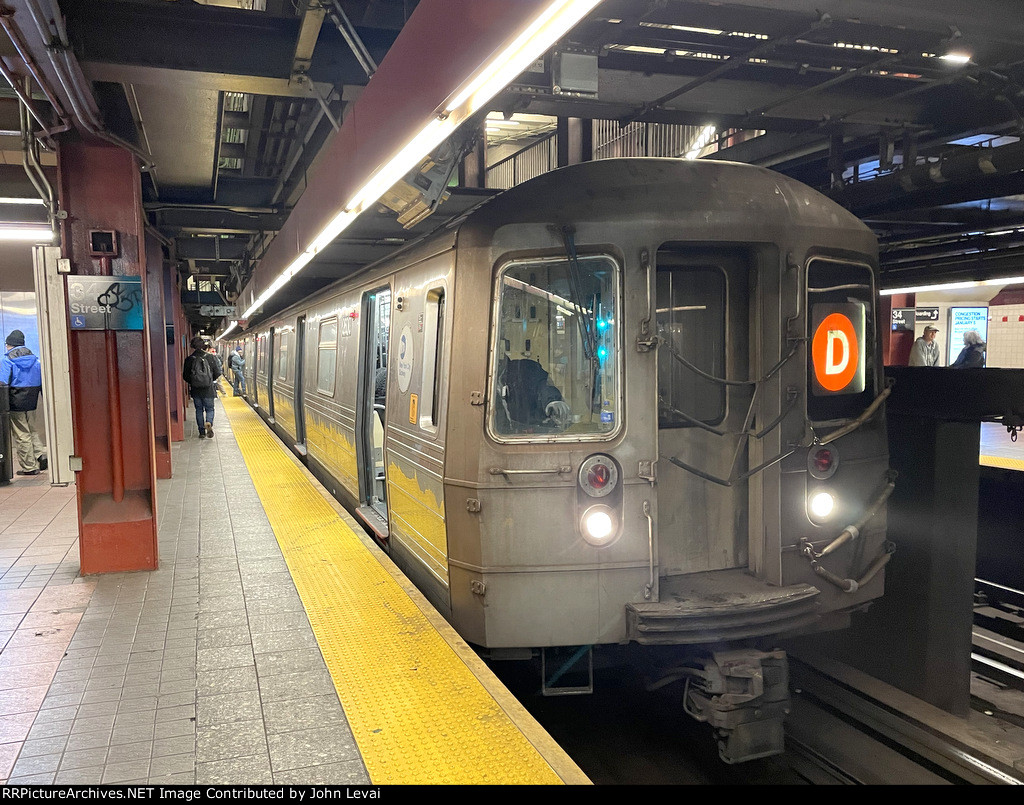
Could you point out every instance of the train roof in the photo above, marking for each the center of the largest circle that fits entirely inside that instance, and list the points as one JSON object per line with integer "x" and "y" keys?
{"x": 712, "y": 191}
{"x": 719, "y": 197}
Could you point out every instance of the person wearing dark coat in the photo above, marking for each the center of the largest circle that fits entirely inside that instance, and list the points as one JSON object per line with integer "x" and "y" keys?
{"x": 21, "y": 379}
{"x": 972, "y": 356}
{"x": 529, "y": 398}
{"x": 203, "y": 397}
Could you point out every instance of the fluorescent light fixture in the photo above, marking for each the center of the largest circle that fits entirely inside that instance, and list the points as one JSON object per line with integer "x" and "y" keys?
{"x": 27, "y": 234}
{"x": 700, "y": 142}
{"x": 956, "y": 58}
{"x": 953, "y": 286}
{"x": 559, "y": 17}
{"x": 231, "y": 327}
{"x": 9, "y": 200}
{"x": 538, "y": 36}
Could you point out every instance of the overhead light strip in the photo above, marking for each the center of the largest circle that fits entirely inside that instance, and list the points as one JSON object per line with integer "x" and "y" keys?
{"x": 27, "y": 234}
{"x": 539, "y": 35}
{"x": 953, "y": 286}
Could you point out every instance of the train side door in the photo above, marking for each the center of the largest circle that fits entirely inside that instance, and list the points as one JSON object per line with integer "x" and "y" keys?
{"x": 268, "y": 366}
{"x": 297, "y": 385}
{"x": 376, "y": 324}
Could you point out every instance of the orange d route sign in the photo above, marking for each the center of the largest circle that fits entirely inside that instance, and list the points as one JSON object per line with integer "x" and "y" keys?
{"x": 836, "y": 354}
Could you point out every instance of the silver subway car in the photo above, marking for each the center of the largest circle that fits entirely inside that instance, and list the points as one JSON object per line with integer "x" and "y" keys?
{"x": 630, "y": 403}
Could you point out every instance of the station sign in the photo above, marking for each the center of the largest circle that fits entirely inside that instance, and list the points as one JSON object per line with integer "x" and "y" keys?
{"x": 962, "y": 319}
{"x": 930, "y": 315}
{"x": 838, "y": 348}
{"x": 105, "y": 302}
{"x": 903, "y": 319}
{"x": 218, "y": 310}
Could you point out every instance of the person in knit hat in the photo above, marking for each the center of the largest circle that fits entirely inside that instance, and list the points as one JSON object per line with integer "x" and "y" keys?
{"x": 21, "y": 380}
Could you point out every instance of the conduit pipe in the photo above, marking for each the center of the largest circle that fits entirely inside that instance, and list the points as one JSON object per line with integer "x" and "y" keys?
{"x": 72, "y": 80}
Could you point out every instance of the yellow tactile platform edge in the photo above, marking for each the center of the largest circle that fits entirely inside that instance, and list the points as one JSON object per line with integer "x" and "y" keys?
{"x": 1005, "y": 463}
{"x": 422, "y": 706}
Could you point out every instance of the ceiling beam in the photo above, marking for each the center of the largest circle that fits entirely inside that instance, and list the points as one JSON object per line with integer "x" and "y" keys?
{"x": 212, "y": 39}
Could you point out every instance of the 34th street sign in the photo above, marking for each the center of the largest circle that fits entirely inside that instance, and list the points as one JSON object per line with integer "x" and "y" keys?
{"x": 105, "y": 303}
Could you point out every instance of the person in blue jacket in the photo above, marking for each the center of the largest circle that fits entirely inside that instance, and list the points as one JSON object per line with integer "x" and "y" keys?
{"x": 21, "y": 379}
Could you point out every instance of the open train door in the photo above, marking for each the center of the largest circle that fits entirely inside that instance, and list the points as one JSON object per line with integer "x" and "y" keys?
{"x": 299, "y": 382}
{"x": 376, "y": 323}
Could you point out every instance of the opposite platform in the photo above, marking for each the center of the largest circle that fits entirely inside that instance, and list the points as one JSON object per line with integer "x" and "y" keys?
{"x": 207, "y": 670}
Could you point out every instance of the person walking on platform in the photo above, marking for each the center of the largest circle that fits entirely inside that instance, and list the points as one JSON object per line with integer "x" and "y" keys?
{"x": 925, "y": 351}
{"x": 236, "y": 363}
{"x": 21, "y": 378}
{"x": 217, "y": 387}
{"x": 200, "y": 371}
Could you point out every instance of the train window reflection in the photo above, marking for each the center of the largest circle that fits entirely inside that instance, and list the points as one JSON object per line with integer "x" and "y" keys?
{"x": 282, "y": 356}
{"x": 327, "y": 356}
{"x": 556, "y": 358}
{"x": 691, "y": 320}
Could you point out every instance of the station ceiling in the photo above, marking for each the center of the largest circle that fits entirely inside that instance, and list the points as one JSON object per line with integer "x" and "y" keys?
{"x": 908, "y": 114}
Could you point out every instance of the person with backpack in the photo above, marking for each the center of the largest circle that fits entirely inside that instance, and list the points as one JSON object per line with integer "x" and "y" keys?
{"x": 217, "y": 387}
{"x": 200, "y": 371}
{"x": 21, "y": 378}
{"x": 237, "y": 365}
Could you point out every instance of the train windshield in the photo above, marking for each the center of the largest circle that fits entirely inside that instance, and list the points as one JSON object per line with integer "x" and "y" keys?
{"x": 556, "y": 361}
{"x": 841, "y": 339}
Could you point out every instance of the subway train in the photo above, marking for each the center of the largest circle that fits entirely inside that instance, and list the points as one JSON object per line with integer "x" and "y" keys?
{"x": 631, "y": 410}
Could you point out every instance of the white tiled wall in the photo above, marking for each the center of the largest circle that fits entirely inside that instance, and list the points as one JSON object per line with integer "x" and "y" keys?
{"x": 1006, "y": 338}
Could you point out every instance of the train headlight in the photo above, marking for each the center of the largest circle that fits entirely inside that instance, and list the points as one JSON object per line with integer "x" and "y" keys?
{"x": 599, "y": 525}
{"x": 821, "y": 505}
{"x": 598, "y": 476}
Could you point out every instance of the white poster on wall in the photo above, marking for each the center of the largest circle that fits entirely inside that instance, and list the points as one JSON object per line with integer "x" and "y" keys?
{"x": 962, "y": 319}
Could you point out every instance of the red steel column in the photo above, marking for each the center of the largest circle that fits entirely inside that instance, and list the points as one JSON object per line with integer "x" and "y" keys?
{"x": 174, "y": 321}
{"x": 110, "y": 369}
{"x": 156, "y": 267}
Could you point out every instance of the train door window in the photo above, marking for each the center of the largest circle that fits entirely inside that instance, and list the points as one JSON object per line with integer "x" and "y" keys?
{"x": 283, "y": 345}
{"x": 690, "y": 302}
{"x": 327, "y": 356}
{"x": 841, "y": 339}
{"x": 556, "y": 365}
{"x": 433, "y": 343}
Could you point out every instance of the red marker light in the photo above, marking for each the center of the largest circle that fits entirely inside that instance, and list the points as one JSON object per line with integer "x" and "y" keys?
{"x": 599, "y": 476}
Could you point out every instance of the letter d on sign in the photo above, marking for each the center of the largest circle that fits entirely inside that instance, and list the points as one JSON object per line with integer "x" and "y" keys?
{"x": 834, "y": 352}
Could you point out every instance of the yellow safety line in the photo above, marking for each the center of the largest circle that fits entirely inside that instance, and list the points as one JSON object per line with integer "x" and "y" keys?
{"x": 420, "y": 712}
{"x": 1005, "y": 463}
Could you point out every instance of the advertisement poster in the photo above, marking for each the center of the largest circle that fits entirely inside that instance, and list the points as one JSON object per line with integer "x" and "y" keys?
{"x": 962, "y": 319}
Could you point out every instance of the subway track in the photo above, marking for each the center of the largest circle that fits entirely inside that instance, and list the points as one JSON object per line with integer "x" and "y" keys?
{"x": 845, "y": 728}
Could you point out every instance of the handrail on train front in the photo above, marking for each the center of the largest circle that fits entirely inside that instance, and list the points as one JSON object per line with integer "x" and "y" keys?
{"x": 548, "y": 471}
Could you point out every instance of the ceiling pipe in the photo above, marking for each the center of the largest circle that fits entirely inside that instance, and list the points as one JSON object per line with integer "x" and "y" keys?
{"x": 26, "y": 101}
{"x": 34, "y": 170}
{"x": 970, "y": 164}
{"x": 71, "y": 78}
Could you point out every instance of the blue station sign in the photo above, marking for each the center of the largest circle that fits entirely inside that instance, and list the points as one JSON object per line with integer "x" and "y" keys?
{"x": 105, "y": 303}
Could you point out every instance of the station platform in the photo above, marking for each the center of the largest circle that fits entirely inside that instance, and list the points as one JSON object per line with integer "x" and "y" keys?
{"x": 275, "y": 644}
{"x": 999, "y": 450}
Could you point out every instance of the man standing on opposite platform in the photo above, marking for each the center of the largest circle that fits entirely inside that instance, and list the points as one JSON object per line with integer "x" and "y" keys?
{"x": 925, "y": 351}
{"x": 21, "y": 378}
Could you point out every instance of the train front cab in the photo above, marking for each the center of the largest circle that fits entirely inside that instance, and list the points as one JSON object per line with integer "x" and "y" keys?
{"x": 671, "y": 509}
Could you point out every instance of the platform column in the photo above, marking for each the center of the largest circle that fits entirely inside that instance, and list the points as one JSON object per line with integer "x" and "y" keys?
{"x": 175, "y": 326}
{"x": 103, "y": 237}
{"x": 156, "y": 268}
